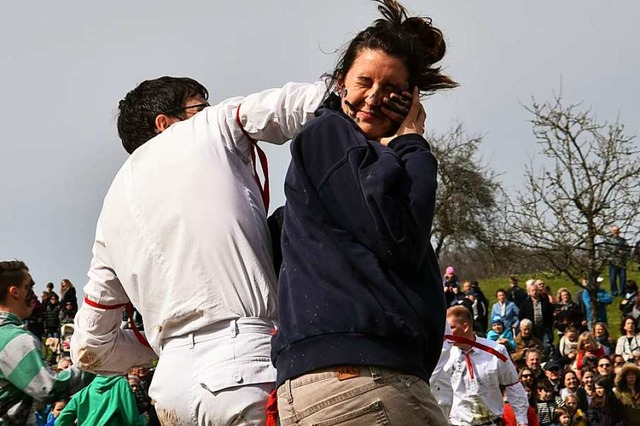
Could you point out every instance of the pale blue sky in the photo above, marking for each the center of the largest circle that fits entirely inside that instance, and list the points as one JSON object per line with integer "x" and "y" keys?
{"x": 65, "y": 65}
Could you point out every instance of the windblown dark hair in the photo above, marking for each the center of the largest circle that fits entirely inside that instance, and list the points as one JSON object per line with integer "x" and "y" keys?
{"x": 11, "y": 273}
{"x": 139, "y": 109}
{"x": 608, "y": 397}
{"x": 413, "y": 40}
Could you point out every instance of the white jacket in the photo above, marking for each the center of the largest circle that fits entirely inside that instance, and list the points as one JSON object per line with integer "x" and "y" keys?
{"x": 183, "y": 233}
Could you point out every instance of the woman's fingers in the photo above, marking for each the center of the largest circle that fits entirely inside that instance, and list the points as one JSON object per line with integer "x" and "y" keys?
{"x": 415, "y": 105}
{"x": 422, "y": 119}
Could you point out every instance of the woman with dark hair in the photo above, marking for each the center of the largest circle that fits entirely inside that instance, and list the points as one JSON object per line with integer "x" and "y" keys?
{"x": 628, "y": 392}
{"x": 528, "y": 380}
{"x": 361, "y": 305}
{"x": 628, "y": 344}
{"x": 605, "y": 409}
{"x": 571, "y": 386}
{"x": 588, "y": 380}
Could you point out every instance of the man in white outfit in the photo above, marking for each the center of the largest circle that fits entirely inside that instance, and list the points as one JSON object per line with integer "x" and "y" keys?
{"x": 183, "y": 237}
{"x": 477, "y": 370}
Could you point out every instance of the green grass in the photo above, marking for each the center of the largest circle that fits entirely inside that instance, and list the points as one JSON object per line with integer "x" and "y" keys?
{"x": 490, "y": 285}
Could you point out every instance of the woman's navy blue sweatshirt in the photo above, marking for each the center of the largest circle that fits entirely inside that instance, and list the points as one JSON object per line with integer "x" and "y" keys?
{"x": 360, "y": 283}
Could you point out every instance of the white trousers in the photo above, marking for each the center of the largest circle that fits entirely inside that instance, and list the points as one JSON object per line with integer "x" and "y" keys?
{"x": 219, "y": 376}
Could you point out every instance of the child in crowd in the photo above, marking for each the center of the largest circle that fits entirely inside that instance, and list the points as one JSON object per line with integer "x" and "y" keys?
{"x": 55, "y": 411}
{"x": 501, "y": 335}
{"x": 568, "y": 346}
{"x": 572, "y": 404}
{"x": 42, "y": 411}
{"x": 562, "y": 417}
{"x": 546, "y": 404}
{"x": 589, "y": 352}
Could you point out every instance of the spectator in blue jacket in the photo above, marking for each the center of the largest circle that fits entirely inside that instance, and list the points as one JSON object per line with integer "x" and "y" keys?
{"x": 499, "y": 333}
{"x": 506, "y": 310}
{"x": 603, "y": 299}
{"x": 361, "y": 302}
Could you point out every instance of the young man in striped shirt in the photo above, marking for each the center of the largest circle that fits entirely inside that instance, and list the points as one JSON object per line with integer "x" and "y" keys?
{"x": 24, "y": 377}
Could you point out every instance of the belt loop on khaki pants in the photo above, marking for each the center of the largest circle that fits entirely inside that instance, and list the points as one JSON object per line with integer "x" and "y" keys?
{"x": 375, "y": 373}
{"x": 287, "y": 391}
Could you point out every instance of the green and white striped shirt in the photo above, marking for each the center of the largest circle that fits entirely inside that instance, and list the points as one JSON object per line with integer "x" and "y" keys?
{"x": 24, "y": 376}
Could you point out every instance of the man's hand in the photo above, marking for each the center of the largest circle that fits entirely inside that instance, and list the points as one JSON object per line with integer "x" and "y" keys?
{"x": 413, "y": 122}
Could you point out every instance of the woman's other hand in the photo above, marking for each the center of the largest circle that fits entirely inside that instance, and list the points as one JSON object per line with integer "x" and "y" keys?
{"x": 413, "y": 122}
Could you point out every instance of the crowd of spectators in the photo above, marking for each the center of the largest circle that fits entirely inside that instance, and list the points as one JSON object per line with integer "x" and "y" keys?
{"x": 122, "y": 399}
{"x": 106, "y": 400}
{"x": 574, "y": 373}
{"x": 52, "y": 319}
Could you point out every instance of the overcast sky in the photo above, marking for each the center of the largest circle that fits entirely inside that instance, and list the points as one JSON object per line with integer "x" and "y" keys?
{"x": 65, "y": 65}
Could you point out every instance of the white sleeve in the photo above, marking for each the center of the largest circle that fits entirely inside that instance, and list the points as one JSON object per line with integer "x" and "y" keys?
{"x": 274, "y": 115}
{"x": 440, "y": 381}
{"x": 98, "y": 344}
{"x": 516, "y": 395}
{"x": 620, "y": 346}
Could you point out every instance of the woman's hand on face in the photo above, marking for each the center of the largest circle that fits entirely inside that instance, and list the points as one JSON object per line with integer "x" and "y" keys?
{"x": 413, "y": 123}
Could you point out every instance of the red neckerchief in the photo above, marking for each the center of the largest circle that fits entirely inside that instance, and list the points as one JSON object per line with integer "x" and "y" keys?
{"x": 475, "y": 344}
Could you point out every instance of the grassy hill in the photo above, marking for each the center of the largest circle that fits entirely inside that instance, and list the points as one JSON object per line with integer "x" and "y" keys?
{"x": 490, "y": 285}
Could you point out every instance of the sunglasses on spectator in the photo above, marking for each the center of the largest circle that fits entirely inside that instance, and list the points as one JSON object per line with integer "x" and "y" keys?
{"x": 527, "y": 376}
{"x": 604, "y": 365}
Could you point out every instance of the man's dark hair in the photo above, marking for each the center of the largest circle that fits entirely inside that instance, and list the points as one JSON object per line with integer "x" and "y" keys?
{"x": 138, "y": 110}
{"x": 413, "y": 40}
{"x": 11, "y": 273}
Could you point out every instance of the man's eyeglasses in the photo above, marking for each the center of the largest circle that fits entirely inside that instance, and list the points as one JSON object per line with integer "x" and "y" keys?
{"x": 197, "y": 107}
{"x": 604, "y": 365}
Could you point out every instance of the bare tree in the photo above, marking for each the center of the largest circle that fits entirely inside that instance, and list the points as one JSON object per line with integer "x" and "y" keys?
{"x": 589, "y": 181}
{"x": 467, "y": 191}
